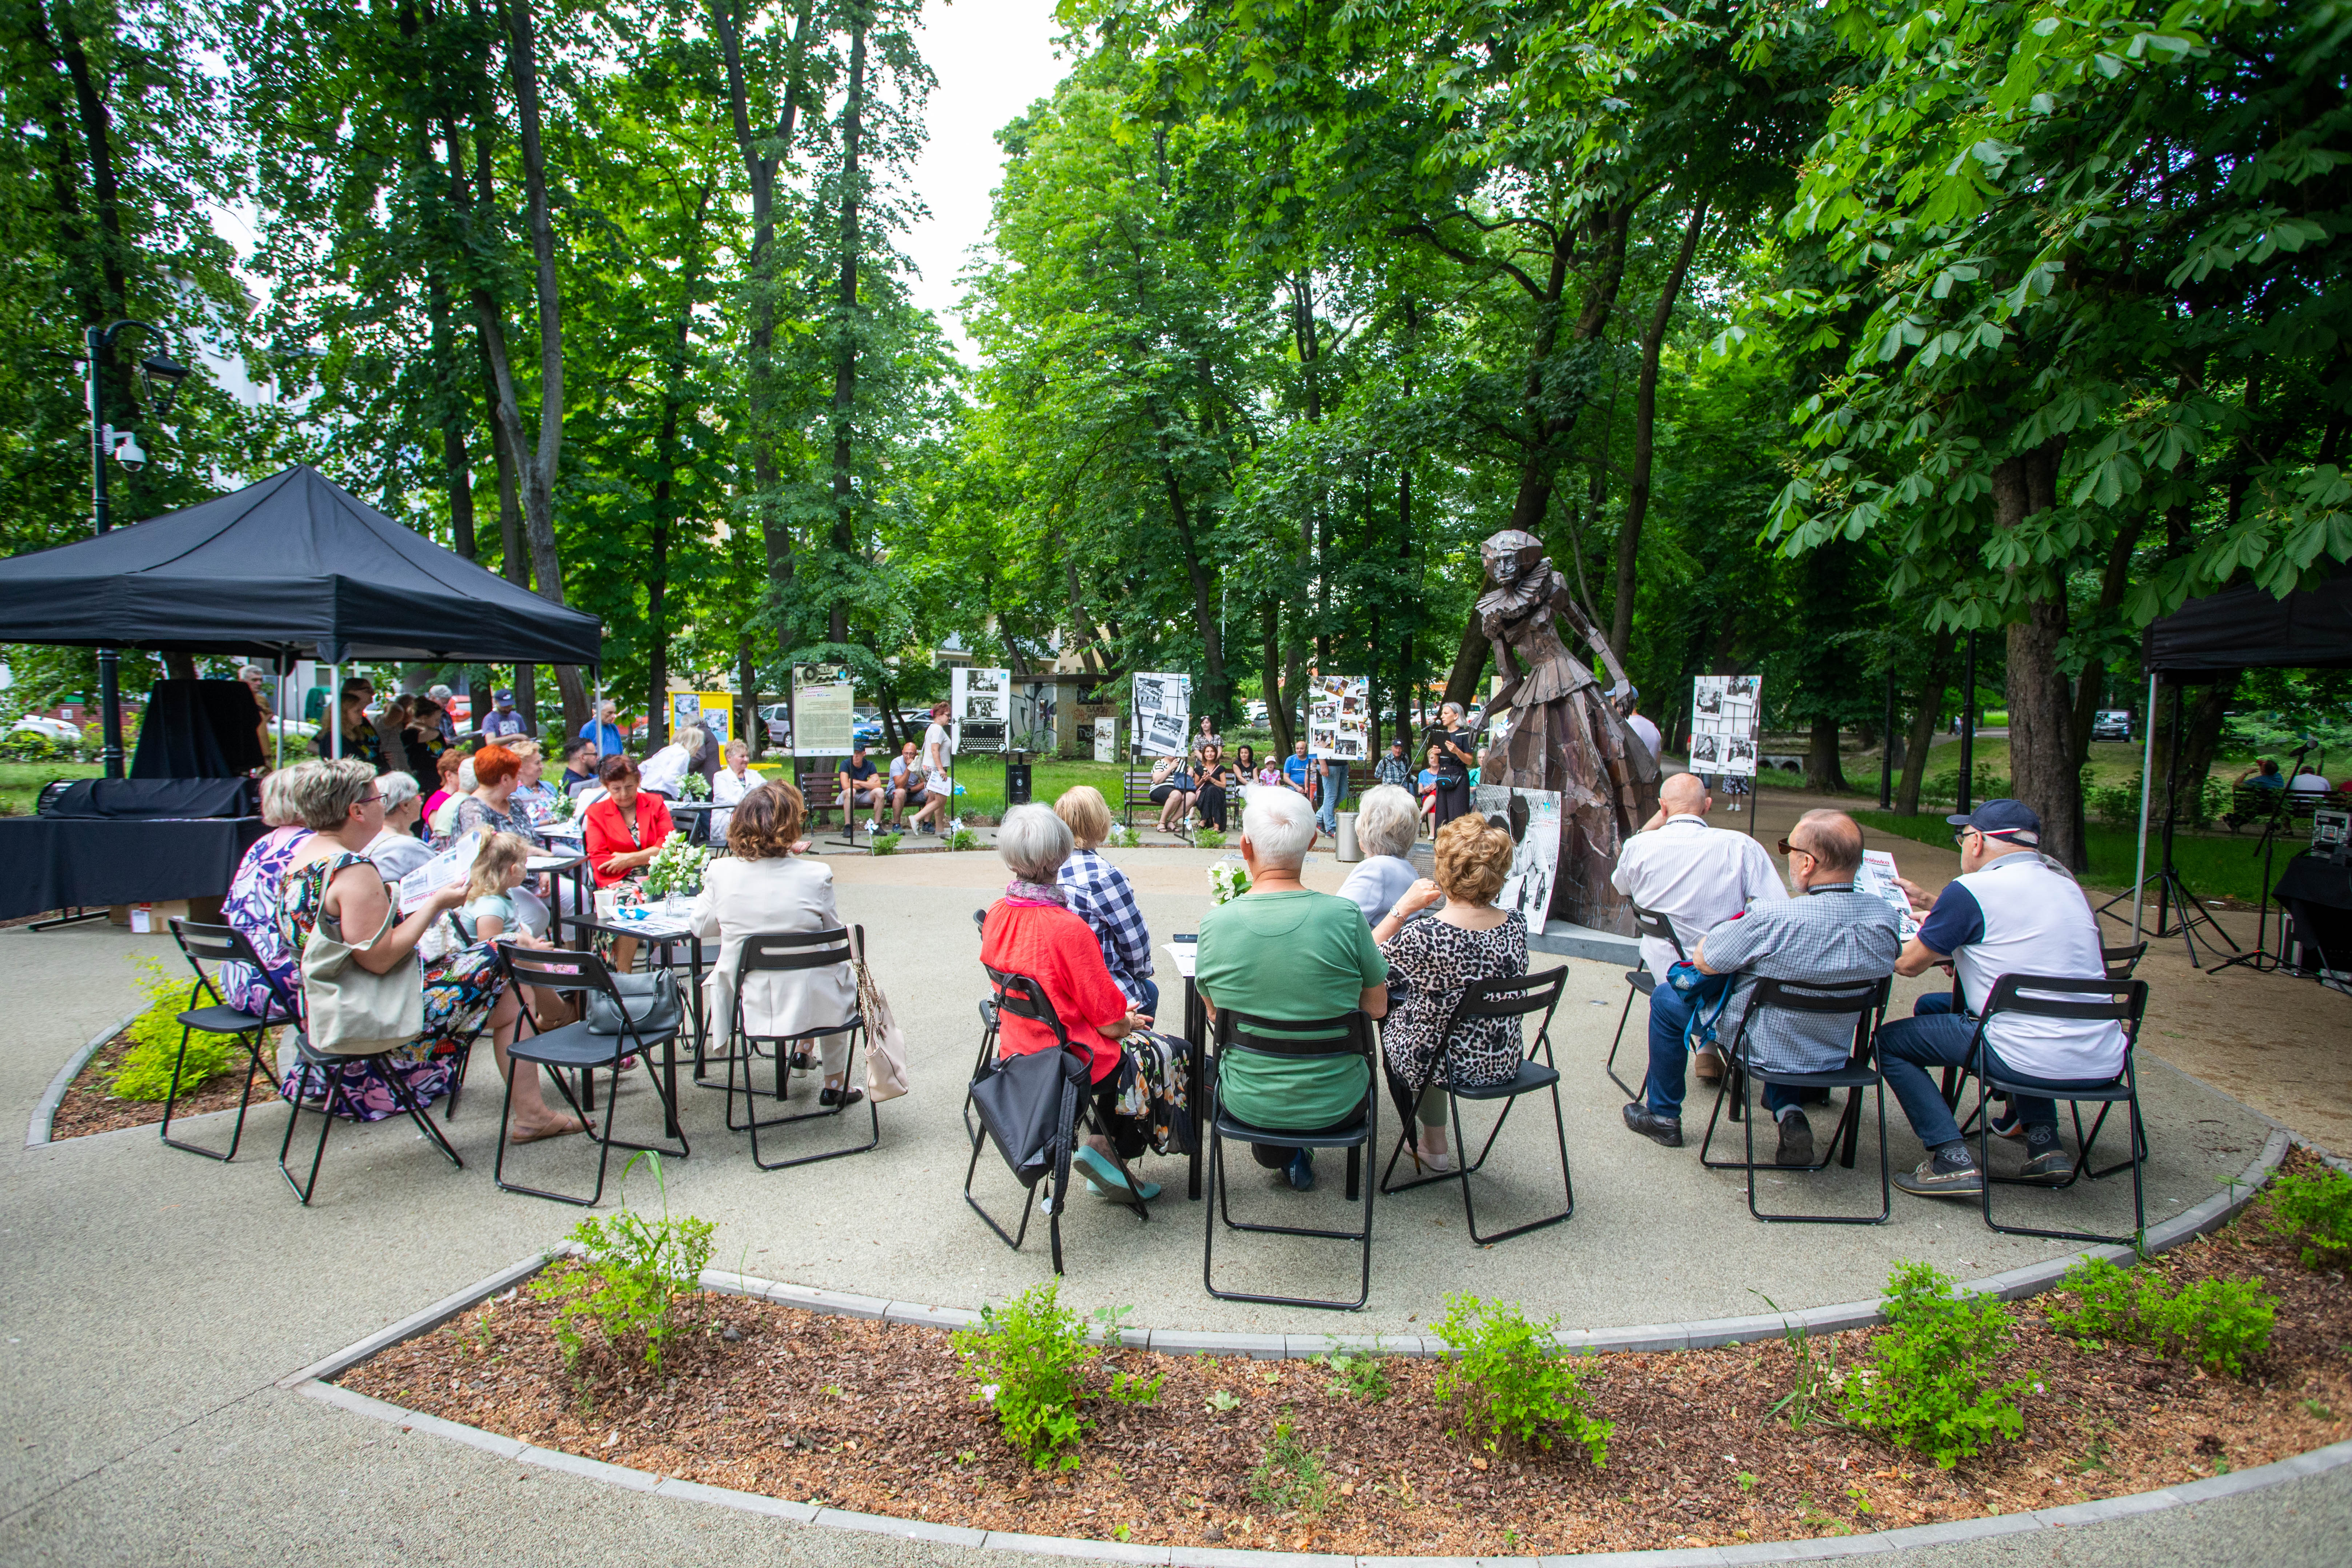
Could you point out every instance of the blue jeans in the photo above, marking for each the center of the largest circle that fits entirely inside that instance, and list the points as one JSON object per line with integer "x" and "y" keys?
{"x": 1670, "y": 1016}
{"x": 1327, "y": 813}
{"x": 1938, "y": 1036}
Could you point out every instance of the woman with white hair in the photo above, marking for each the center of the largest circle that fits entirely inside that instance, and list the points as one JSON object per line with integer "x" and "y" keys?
{"x": 1283, "y": 952}
{"x": 1386, "y": 825}
{"x": 665, "y": 771}
{"x": 251, "y": 903}
{"x": 728, "y": 787}
{"x": 397, "y": 850}
{"x": 1033, "y": 930}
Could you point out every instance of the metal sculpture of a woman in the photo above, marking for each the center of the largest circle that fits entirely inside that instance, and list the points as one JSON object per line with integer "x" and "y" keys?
{"x": 1564, "y": 733}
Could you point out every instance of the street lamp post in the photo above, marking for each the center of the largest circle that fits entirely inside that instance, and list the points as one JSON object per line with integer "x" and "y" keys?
{"x": 162, "y": 377}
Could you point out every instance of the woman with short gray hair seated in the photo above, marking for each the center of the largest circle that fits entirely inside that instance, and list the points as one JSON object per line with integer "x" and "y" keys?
{"x": 1033, "y": 931}
{"x": 397, "y": 850}
{"x": 1387, "y": 823}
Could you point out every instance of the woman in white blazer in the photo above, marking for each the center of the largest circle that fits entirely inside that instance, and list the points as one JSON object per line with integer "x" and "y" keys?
{"x": 760, "y": 888}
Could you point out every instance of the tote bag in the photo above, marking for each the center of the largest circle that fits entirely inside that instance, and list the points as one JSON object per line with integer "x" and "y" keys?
{"x": 351, "y": 1011}
{"x": 886, "y": 1045}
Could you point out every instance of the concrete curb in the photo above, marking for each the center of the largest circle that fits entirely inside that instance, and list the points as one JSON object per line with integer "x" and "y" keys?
{"x": 44, "y": 1114}
{"x": 415, "y": 1323}
{"x": 2319, "y": 1462}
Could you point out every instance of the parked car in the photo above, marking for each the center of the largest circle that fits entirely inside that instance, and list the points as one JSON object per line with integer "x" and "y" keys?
{"x": 2111, "y": 724}
{"x": 48, "y": 729}
{"x": 777, "y": 719}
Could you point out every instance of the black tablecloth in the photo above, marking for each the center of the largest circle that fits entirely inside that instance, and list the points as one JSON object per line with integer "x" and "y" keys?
{"x": 51, "y": 862}
{"x": 2319, "y": 896}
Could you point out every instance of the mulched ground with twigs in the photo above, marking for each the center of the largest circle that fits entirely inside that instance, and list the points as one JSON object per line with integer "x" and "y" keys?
{"x": 88, "y": 1107}
{"x": 876, "y": 1417}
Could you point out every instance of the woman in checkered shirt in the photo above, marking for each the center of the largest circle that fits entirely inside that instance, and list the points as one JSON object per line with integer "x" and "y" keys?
{"x": 1100, "y": 895}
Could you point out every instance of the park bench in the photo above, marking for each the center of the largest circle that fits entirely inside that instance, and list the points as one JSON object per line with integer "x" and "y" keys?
{"x": 822, "y": 792}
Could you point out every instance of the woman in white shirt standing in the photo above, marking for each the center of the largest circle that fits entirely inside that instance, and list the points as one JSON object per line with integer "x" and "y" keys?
{"x": 765, "y": 885}
{"x": 665, "y": 770}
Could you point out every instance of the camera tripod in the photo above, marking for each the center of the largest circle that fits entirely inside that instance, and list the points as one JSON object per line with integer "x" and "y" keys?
{"x": 2260, "y": 960}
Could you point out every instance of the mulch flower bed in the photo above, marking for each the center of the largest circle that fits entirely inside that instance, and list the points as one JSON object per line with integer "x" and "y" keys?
{"x": 89, "y": 1107}
{"x": 876, "y": 1419}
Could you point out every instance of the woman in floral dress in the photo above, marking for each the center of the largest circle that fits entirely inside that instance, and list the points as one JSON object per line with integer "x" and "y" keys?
{"x": 251, "y": 904}
{"x": 1431, "y": 962}
{"x": 331, "y": 876}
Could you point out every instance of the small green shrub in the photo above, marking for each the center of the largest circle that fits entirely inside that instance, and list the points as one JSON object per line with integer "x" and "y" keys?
{"x": 1513, "y": 1379}
{"x": 884, "y": 842}
{"x": 1924, "y": 1385}
{"x": 1030, "y": 1358}
{"x": 2316, "y": 1208}
{"x": 1124, "y": 839}
{"x": 629, "y": 1284}
{"x": 1816, "y": 1379}
{"x": 963, "y": 839}
{"x": 1357, "y": 1374}
{"x": 1290, "y": 1476}
{"x": 1209, "y": 838}
{"x": 2222, "y": 1324}
{"x": 145, "y": 1070}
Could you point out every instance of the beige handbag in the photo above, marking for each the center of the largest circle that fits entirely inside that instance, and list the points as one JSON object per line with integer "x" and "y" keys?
{"x": 351, "y": 1011}
{"x": 886, "y": 1046}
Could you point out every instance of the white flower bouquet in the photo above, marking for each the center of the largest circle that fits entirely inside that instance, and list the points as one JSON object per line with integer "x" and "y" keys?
{"x": 675, "y": 869}
{"x": 694, "y": 787}
{"x": 1228, "y": 881}
{"x": 567, "y": 805}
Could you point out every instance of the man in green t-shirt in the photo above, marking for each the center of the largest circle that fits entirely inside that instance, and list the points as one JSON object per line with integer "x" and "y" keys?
{"x": 1281, "y": 952}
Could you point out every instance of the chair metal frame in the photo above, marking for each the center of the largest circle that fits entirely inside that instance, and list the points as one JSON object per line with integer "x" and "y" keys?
{"x": 1640, "y": 982}
{"x": 1494, "y": 998}
{"x": 775, "y": 952}
{"x": 1024, "y": 997}
{"x": 2008, "y": 997}
{"x": 1867, "y": 1000}
{"x": 568, "y": 1048}
{"x": 327, "y": 1063}
{"x": 1348, "y": 1034}
{"x": 223, "y": 944}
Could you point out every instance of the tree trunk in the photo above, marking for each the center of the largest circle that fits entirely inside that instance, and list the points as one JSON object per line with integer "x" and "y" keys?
{"x": 755, "y": 733}
{"x": 1278, "y": 707}
{"x": 1825, "y": 769}
{"x": 1924, "y": 714}
{"x": 2043, "y": 771}
{"x": 2091, "y": 684}
{"x": 844, "y": 350}
{"x": 1646, "y": 417}
{"x": 2203, "y": 722}
{"x": 775, "y": 535}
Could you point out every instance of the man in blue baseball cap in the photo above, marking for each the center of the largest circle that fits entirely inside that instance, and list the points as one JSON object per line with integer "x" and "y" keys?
{"x": 2009, "y": 910}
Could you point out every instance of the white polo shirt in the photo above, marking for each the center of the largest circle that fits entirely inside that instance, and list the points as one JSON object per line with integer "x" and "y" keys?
{"x": 1696, "y": 876}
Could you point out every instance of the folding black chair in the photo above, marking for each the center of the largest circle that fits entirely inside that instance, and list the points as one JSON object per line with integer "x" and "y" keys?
{"x": 327, "y": 1065}
{"x": 988, "y": 1030}
{"x": 789, "y": 953}
{"x": 2121, "y": 1002}
{"x": 1286, "y": 1041}
{"x": 1504, "y": 996}
{"x": 1867, "y": 1001}
{"x": 1023, "y": 997}
{"x": 576, "y": 1047}
{"x": 207, "y": 1011}
{"x": 1640, "y": 982}
{"x": 2123, "y": 962}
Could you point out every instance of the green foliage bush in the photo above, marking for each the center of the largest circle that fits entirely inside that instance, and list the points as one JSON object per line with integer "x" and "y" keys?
{"x": 1209, "y": 838}
{"x": 2222, "y": 1324}
{"x": 1291, "y": 1476}
{"x": 1124, "y": 839}
{"x": 145, "y": 1070}
{"x": 1357, "y": 1374}
{"x": 1512, "y": 1378}
{"x": 1923, "y": 1386}
{"x": 1030, "y": 1359}
{"x": 963, "y": 839}
{"x": 2316, "y": 1208}
{"x": 885, "y": 843}
{"x": 628, "y": 1285}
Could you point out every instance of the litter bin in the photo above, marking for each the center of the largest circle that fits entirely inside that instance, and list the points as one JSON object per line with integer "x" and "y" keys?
{"x": 1016, "y": 783}
{"x": 1347, "y": 852}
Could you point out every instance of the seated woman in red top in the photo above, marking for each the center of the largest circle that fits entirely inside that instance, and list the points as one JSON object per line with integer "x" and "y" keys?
{"x": 1033, "y": 930}
{"x": 622, "y": 831}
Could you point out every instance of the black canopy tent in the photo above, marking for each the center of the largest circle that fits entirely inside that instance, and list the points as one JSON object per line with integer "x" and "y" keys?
{"x": 294, "y": 565}
{"x": 2244, "y": 628}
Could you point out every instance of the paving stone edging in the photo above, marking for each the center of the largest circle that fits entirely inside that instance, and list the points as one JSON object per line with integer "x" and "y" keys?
{"x": 2319, "y": 1462}
{"x": 44, "y": 1114}
{"x": 2012, "y": 1285}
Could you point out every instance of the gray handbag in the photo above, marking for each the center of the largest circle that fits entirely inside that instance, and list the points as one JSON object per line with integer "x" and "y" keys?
{"x": 652, "y": 1002}
{"x": 351, "y": 1011}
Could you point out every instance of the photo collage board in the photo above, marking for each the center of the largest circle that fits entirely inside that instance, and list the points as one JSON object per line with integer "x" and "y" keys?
{"x": 1725, "y": 715}
{"x": 979, "y": 707}
{"x": 1531, "y": 817}
{"x": 1163, "y": 714}
{"x": 1338, "y": 718}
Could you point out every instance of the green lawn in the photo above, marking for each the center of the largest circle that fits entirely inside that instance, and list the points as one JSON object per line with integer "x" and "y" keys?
{"x": 21, "y": 781}
{"x": 982, "y": 779}
{"x": 2214, "y": 868}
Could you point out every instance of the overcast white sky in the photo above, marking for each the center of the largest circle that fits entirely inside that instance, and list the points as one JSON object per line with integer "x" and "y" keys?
{"x": 994, "y": 59}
